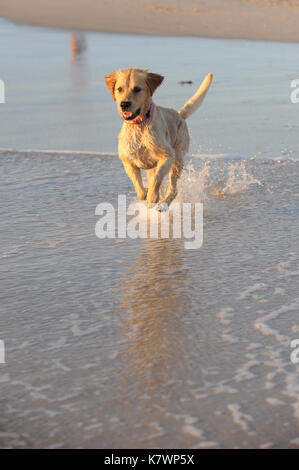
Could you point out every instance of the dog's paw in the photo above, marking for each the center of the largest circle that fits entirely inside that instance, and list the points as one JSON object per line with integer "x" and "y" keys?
{"x": 162, "y": 207}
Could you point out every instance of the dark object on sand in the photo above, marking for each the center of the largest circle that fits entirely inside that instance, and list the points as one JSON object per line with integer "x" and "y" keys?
{"x": 186, "y": 82}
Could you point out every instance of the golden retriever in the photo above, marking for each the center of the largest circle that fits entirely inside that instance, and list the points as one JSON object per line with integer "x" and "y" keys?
{"x": 152, "y": 138}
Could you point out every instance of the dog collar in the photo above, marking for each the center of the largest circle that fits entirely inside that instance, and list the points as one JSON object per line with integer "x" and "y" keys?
{"x": 144, "y": 118}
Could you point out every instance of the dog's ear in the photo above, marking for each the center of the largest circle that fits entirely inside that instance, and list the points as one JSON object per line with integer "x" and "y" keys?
{"x": 153, "y": 80}
{"x": 110, "y": 82}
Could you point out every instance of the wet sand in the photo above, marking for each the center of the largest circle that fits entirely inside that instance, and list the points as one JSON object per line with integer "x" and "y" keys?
{"x": 248, "y": 19}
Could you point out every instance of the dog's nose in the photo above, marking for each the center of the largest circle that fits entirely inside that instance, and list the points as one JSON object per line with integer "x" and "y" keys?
{"x": 125, "y": 104}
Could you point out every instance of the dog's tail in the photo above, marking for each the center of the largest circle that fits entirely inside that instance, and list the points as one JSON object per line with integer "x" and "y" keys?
{"x": 195, "y": 101}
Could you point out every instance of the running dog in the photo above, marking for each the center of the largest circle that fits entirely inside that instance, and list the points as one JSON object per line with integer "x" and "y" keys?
{"x": 152, "y": 138}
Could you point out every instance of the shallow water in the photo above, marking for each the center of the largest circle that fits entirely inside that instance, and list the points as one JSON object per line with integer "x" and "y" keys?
{"x": 122, "y": 343}
{"x": 142, "y": 343}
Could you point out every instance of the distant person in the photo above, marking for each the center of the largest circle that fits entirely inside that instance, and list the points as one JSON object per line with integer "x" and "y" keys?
{"x": 78, "y": 44}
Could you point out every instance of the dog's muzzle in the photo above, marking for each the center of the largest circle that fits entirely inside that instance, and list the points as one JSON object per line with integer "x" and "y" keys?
{"x": 129, "y": 115}
{"x": 125, "y": 105}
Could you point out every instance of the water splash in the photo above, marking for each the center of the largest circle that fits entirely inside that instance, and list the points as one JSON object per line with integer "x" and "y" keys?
{"x": 193, "y": 183}
{"x": 214, "y": 178}
{"x": 239, "y": 179}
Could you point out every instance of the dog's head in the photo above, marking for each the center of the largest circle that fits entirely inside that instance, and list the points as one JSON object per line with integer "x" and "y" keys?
{"x": 132, "y": 89}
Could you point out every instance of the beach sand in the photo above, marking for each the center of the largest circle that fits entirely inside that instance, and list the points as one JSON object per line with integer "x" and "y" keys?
{"x": 249, "y": 19}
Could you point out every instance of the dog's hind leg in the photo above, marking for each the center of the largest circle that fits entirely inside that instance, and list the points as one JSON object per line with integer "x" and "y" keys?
{"x": 150, "y": 175}
{"x": 163, "y": 167}
{"x": 181, "y": 148}
{"x": 174, "y": 175}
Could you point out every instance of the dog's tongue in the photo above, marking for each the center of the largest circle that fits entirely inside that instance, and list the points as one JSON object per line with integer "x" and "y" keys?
{"x": 127, "y": 114}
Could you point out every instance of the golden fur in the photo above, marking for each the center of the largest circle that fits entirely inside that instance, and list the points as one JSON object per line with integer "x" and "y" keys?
{"x": 158, "y": 144}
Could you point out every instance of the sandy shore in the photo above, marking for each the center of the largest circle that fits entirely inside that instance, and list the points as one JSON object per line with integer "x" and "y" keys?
{"x": 248, "y": 19}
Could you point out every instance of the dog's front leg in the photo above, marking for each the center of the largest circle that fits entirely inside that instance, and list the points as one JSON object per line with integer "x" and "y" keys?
{"x": 162, "y": 169}
{"x": 134, "y": 174}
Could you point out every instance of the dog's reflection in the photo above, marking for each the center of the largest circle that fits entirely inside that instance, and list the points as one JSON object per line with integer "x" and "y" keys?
{"x": 151, "y": 316}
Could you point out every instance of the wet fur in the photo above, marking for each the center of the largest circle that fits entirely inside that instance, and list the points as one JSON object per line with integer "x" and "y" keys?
{"x": 159, "y": 144}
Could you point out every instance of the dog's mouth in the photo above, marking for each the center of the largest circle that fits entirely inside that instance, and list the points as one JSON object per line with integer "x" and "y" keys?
{"x": 129, "y": 115}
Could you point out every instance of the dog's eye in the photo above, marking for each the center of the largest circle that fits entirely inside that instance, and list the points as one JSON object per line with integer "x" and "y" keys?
{"x": 136, "y": 89}
{"x": 120, "y": 89}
